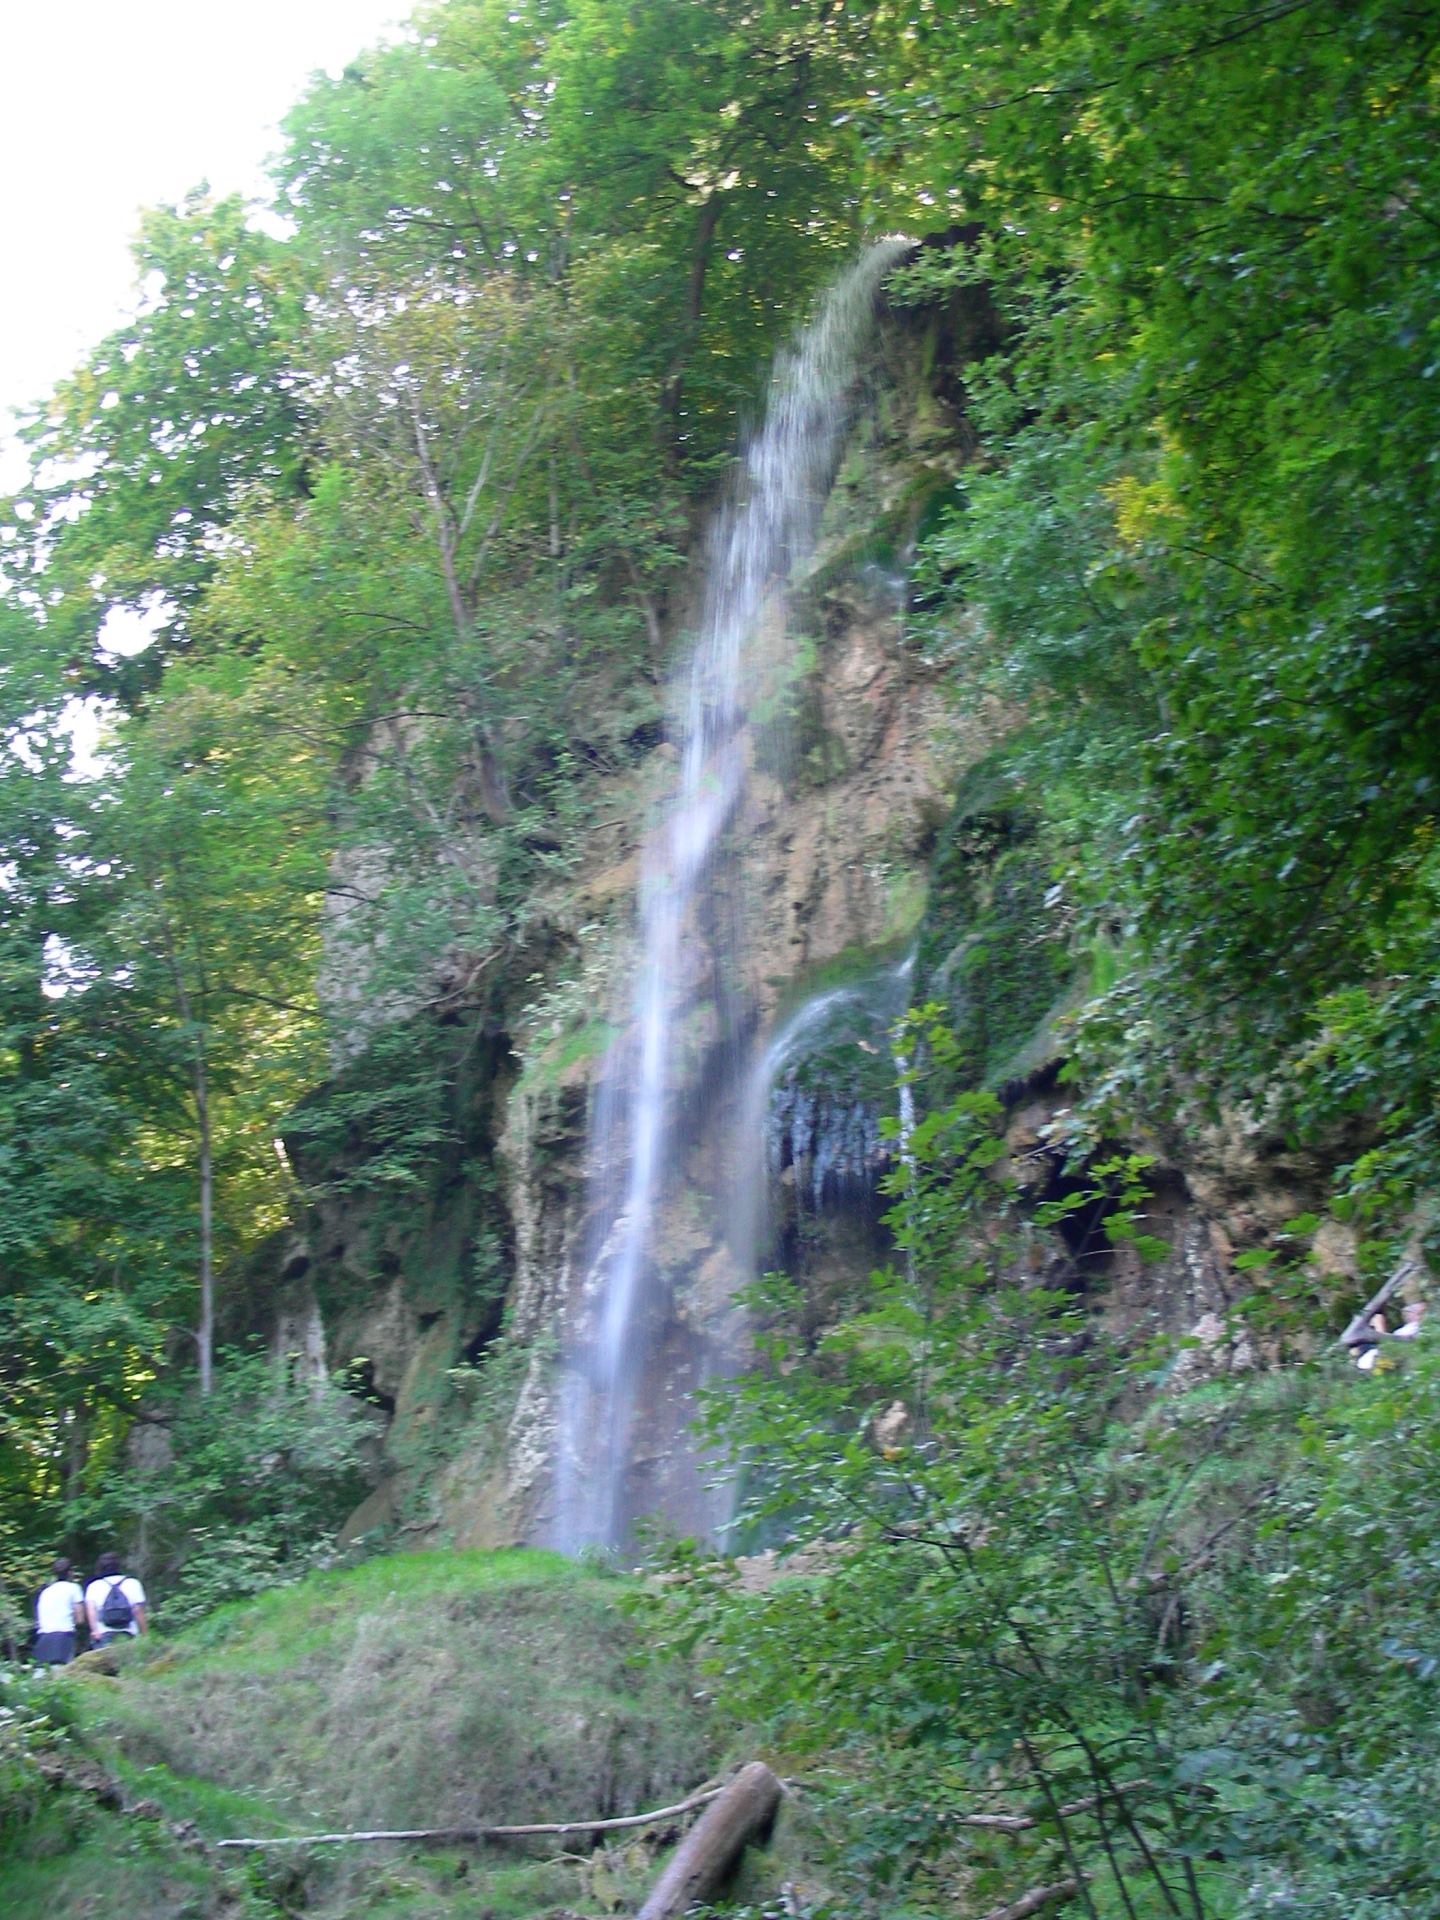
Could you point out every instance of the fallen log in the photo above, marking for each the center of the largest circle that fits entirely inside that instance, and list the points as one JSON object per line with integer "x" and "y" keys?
{"x": 486, "y": 1833}
{"x": 742, "y": 1812}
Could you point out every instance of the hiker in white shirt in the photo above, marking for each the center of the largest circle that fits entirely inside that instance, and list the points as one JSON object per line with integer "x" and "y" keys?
{"x": 1414, "y": 1320}
{"x": 114, "y": 1602}
{"x": 59, "y": 1613}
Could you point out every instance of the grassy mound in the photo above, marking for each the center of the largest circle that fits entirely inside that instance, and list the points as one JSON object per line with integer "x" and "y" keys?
{"x": 418, "y": 1690}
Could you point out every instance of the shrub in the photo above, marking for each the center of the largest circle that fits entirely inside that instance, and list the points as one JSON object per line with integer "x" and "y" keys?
{"x": 248, "y": 1492}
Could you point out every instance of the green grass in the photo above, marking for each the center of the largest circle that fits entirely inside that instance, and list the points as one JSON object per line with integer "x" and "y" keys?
{"x": 268, "y": 1624}
{"x": 77, "y": 1862}
{"x": 417, "y": 1690}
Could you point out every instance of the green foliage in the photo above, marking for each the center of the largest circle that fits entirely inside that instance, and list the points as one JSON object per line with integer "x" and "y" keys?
{"x": 1203, "y": 551}
{"x": 361, "y": 542}
{"x": 1330, "y": 1674}
{"x": 139, "y": 457}
{"x": 27, "y": 1735}
{"x": 489, "y": 1388}
{"x": 78, "y": 1849}
{"x": 236, "y": 1493}
{"x": 991, "y": 944}
{"x": 1173, "y": 1630}
{"x": 381, "y": 1125}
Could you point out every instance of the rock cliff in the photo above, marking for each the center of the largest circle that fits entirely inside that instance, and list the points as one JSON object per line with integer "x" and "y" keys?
{"x": 445, "y": 1307}
{"x": 883, "y": 857}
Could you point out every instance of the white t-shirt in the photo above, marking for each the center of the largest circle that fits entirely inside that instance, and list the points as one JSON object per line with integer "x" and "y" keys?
{"x": 55, "y": 1608}
{"x": 98, "y": 1592}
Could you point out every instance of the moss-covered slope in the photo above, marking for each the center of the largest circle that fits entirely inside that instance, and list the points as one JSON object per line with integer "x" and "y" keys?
{"x": 418, "y": 1690}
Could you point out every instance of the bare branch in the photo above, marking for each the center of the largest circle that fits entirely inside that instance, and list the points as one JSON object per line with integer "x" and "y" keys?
{"x": 1023, "y": 1822}
{"x": 487, "y": 1833}
{"x": 1035, "y": 1901}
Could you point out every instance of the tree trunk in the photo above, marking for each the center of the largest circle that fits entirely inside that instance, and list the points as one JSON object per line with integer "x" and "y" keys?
{"x": 449, "y": 529}
{"x": 206, "y": 1336}
{"x": 672, "y": 394}
{"x": 200, "y": 1086}
{"x": 707, "y": 1853}
{"x": 1359, "y": 1331}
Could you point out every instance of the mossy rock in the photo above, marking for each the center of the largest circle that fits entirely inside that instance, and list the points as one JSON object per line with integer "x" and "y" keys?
{"x": 421, "y": 1689}
{"x": 989, "y": 949}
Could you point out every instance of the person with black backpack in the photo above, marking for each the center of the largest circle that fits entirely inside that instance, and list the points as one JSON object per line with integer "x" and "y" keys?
{"x": 114, "y": 1602}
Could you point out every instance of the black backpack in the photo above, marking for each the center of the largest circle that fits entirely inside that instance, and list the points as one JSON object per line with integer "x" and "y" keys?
{"x": 116, "y": 1612}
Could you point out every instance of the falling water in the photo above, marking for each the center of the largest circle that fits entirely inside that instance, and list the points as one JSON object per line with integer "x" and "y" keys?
{"x": 626, "y": 1339}
{"x": 829, "y": 1137}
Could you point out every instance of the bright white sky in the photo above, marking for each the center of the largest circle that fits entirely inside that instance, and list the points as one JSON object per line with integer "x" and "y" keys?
{"x": 109, "y": 106}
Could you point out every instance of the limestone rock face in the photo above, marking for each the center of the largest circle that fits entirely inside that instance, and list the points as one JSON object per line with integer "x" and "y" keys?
{"x": 841, "y": 863}
{"x": 854, "y": 764}
{"x": 449, "y": 1307}
{"x": 826, "y": 863}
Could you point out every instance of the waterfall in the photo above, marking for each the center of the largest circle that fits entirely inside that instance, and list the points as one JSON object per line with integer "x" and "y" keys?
{"x": 627, "y": 1343}
{"x": 829, "y": 1136}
